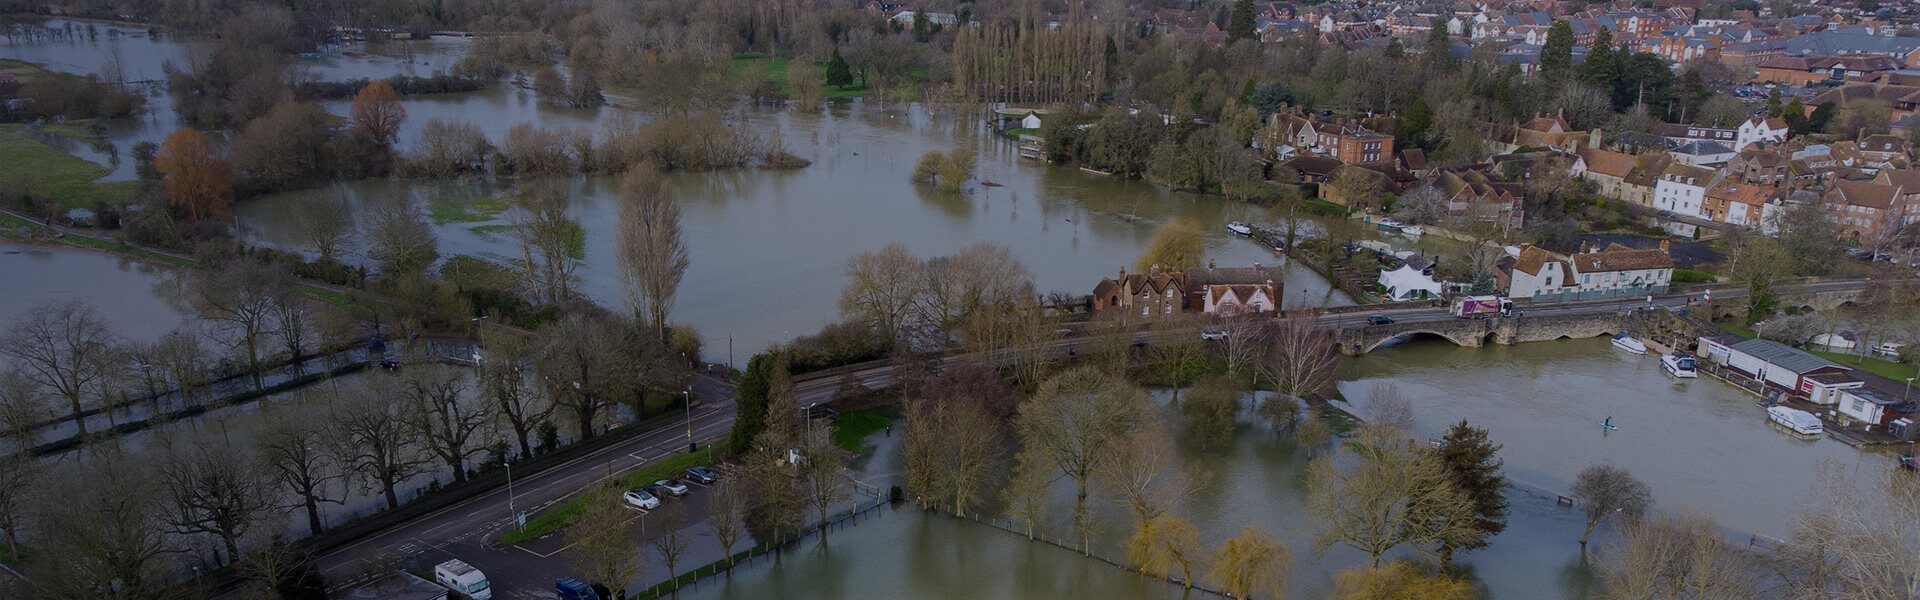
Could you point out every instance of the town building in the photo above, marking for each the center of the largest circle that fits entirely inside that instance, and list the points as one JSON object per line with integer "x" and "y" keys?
{"x": 1865, "y": 211}
{"x": 1736, "y": 203}
{"x": 1615, "y": 271}
{"x": 1756, "y": 130}
{"x": 1778, "y": 367}
{"x": 1412, "y": 280}
{"x": 1875, "y": 408}
{"x": 1682, "y": 189}
{"x": 1621, "y": 176}
{"x": 1213, "y": 291}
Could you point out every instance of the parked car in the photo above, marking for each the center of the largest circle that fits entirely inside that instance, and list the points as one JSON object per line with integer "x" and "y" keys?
{"x": 574, "y": 589}
{"x": 1140, "y": 342}
{"x": 1213, "y": 334}
{"x": 1379, "y": 320}
{"x": 641, "y": 498}
{"x": 671, "y": 486}
{"x": 703, "y": 475}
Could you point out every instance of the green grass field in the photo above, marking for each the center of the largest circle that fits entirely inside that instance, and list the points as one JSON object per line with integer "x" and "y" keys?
{"x": 850, "y": 431}
{"x": 65, "y": 178}
{"x": 777, "y": 71}
{"x": 1878, "y": 366}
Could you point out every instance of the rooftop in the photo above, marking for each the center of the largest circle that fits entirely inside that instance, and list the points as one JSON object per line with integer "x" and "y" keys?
{"x": 1784, "y": 356}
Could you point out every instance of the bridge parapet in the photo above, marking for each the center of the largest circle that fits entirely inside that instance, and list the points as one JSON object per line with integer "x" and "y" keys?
{"x": 1355, "y": 340}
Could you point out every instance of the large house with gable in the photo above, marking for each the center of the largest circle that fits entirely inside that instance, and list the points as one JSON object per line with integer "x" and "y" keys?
{"x": 1615, "y": 271}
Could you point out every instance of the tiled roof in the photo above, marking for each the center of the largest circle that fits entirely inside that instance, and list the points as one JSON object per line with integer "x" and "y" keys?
{"x": 1862, "y": 193}
{"x": 1613, "y": 259}
{"x": 1736, "y": 192}
{"x": 1609, "y": 163}
{"x": 1532, "y": 258}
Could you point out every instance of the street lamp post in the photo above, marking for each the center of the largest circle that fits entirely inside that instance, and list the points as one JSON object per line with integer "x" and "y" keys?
{"x": 687, "y": 399}
{"x": 512, "y": 512}
{"x": 1909, "y": 388}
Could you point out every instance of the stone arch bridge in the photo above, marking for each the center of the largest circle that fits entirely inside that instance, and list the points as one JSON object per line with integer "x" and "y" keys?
{"x": 1474, "y": 333}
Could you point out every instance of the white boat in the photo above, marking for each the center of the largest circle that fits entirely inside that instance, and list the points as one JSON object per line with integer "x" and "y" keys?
{"x": 1240, "y": 228}
{"x": 1413, "y": 230}
{"x": 1389, "y": 224}
{"x": 1679, "y": 365}
{"x": 1627, "y": 343}
{"x": 1800, "y": 421}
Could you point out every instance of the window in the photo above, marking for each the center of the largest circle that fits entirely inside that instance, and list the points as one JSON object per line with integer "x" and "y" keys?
{"x": 1167, "y": 310}
{"x": 1146, "y": 310}
{"x": 1858, "y": 405}
{"x": 1169, "y": 293}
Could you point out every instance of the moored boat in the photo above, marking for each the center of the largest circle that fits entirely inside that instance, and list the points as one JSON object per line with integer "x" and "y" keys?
{"x": 1800, "y": 421}
{"x": 1240, "y": 228}
{"x": 1413, "y": 230}
{"x": 1389, "y": 224}
{"x": 1627, "y": 343}
{"x": 1679, "y": 365}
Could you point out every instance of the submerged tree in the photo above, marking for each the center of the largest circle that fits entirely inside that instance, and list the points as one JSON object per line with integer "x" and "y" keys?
{"x": 651, "y": 249}
{"x": 1602, "y": 491}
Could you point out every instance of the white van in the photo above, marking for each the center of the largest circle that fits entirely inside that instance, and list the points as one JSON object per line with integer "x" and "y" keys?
{"x": 1889, "y": 349}
{"x": 463, "y": 579}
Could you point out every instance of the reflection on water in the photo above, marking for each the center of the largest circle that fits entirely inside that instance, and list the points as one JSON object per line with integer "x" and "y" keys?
{"x": 1699, "y": 445}
{"x": 769, "y": 248}
{"x": 124, "y": 291}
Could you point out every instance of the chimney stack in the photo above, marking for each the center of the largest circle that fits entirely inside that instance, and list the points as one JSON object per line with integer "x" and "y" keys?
{"x": 1666, "y": 246}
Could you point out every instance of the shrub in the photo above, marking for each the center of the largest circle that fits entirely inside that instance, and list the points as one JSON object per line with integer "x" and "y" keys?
{"x": 1692, "y": 276}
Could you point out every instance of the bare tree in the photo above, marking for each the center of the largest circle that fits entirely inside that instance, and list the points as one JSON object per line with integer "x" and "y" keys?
{"x": 239, "y": 296}
{"x": 1253, "y": 564}
{"x": 1145, "y": 472}
{"x": 291, "y": 446}
{"x": 951, "y": 445}
{"x": 548, "y": 236}
{"x": 1075, "y": 418}
{"x": 1392, "y": 494}
{"x": 1301, "y": 359}
{"x": 1388, "y": 408}
{"x": 101, "y": 526}
{"x": 1680, "y": 556}
{"x": 668, "y": 536}
{"x": 1028, "y": 492}
{"x": 1212, "y": 410}
{"x": 504, "y": 378}
{"x": 184, "y": 359}
{"x": 579, "y": 366}
{"x": 292, "y": 316}
{"x": 600, "y": 542}
{"x": 1602, "y": 491}
{"x": 326, "y": 224}
{"x": 1246, "y": 340}
{"x": 1869, "y": 551}
{"x": 368, "y": 435}
{"x": 67, "y": 349}
{"x": 444, "y": 416}
{"x": 1176, "y": 358}
{"x": 820, "y": 478}
{"x": 1165, "y": 546}
{"x": 215, "y": 489}
{"x": 1313, "y": 431}
{"x": 398, "y": 237}
{"x": 726, "y": 511}
{"x": 651, "y": 249}
{"x": 881, "y": 289}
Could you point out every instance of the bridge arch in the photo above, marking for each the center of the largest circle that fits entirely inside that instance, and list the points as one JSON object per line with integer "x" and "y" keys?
{"x": 1472, "y": 339}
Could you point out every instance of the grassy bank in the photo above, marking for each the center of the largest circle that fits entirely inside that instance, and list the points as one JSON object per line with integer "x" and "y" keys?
{"x": 1877, "y": 366}
{"x": 66, "y": 179}
{"x": 558, "y": 517}
{"x": 850, "y": 431}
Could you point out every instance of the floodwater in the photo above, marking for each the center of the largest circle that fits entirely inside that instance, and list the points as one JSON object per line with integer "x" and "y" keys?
{"x": 1700, "y": 445}
{"x": 125, "y": 292}
{"x": 142, "y": 56}
{"x": 769, "y": 248}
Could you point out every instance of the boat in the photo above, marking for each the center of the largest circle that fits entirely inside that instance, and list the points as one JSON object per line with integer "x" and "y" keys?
{"x": 1413, "y": 230}
{"x": 1240, "y": 228}
{"x": 1800, "y": 421}
{"x": 1389, "y": 224}
{"x": 1679, "y": 365}
{"x": 1627, "y": 343}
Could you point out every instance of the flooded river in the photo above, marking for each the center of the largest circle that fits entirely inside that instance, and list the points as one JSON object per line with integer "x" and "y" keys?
{"x": 125, "y": 292}
{"x": 769, "y": 249}
{"x": 1700, "y": 445}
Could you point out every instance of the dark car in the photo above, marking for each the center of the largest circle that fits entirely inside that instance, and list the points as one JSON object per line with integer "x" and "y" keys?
{"x": 703, "y": 475}
{"x": 1379, "y": 320}
{"x": 1140, "y": 342}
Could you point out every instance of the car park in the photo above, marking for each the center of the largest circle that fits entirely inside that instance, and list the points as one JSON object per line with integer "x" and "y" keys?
{"x": 670, "y": 486}
{"x": 703, "y": 475}
{"x": 642, "y": 498}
